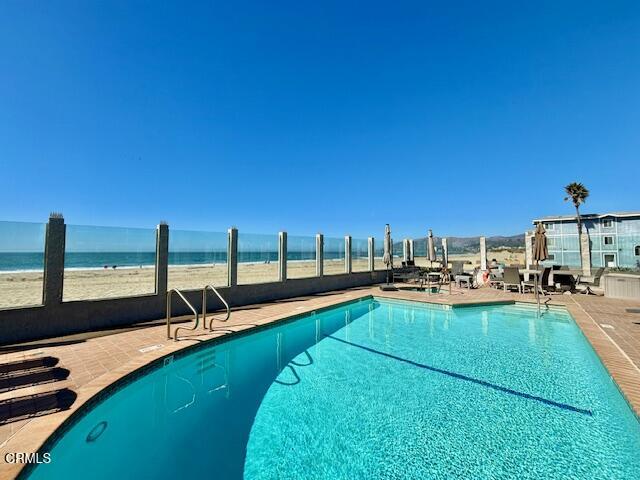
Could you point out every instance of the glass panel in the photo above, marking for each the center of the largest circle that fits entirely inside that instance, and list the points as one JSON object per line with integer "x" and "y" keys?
{"x": 21, "y": 263}
{"x": 420, "y": 251}
{"x": 398, "y": 251}
{"x": 106, "y": 262}
{"x": 333, "y": 255}
{"x": 466, "y": 250}
{"x": 359, "y": 255}
{"x": 257, "y": 258}
{"x": 301, "y": 256}
{"x": 508, "y": 251}
{"x": 378, "y": 249}
{"x": 197, "y": 259}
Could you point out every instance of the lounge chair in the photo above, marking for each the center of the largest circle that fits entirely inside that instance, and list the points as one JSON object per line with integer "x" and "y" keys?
{"x": 406, "y": 273}
{"x": 511, "y": 278}
{"x": 587, "y": 287}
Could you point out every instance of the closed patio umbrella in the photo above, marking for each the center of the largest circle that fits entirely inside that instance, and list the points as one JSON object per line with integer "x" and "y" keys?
{"x": 431, "y": 248}
{"x": 387, "y": 257}
{"x": 540, "y": 254}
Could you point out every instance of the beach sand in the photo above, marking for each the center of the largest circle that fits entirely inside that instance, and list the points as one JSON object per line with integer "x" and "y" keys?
{"x": 25, "y": 288}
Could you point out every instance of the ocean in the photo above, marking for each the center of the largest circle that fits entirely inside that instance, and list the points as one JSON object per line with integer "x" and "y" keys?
{"x": 34, "y": 261}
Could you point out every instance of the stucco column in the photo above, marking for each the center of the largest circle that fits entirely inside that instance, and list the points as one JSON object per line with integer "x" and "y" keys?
{"x": 347, "y": 254}
{"x": 528, "y": 248}
{"x": 54, "y": 260}
{"x": 162, "y": 259}
{"x": 319, "y": 255}
{"x": 371, "y": 252}
{"x": 483, "y": 253}
{"x": 585, "y": 253}
{"x": 405, "y": 250}
{"x": 445, "y": 251}
{"x": 411, "y": 250}
{"x": 282, "y": 256}
{"x": 232, "y": 257}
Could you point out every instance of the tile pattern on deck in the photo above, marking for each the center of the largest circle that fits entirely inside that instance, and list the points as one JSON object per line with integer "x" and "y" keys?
{"x": 98, "y": 362}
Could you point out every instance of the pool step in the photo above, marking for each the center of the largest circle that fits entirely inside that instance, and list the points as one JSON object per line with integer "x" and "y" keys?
{"x": 17, "y": 379}
{"x": 32, "y": 363}
{"x": 35, "y": 405}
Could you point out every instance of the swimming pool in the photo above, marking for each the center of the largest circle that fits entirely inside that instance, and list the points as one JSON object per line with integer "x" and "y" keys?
{"x": 370, "y": 389}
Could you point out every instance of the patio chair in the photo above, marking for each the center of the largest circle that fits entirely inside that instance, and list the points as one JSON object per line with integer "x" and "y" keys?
{"x": 457, "y": 268}
{"x": 511, "y": 278}
{"x": 470, "y": 279}
{"x": 542, "y": 286}
{"x": 444, "y": 279}
{"x": 495, "y": 278}
{"x": 587, "y": 287}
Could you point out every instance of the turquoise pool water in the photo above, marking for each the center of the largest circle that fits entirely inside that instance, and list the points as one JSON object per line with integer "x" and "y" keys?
{"x": 372, "y": 389}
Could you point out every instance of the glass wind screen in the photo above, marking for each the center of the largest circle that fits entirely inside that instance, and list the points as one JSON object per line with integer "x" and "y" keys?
{"x": 21, "y": 263}
{"x": 301, "y": 256}
{"x": 420, "y": 252}
{"x": 359, "y": 254}
{"x": 333, "y": 256}
{"x": 107, "y": 262}
{"x": 257, "y": 258}
{"x": 465, "y": 250}
{"x": 378, "y": 253}
{"x": 398, "y": 252}
{"x": 197, "y": 259}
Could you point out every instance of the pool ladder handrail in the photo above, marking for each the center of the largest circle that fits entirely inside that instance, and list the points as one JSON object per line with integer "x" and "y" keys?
{"x": 204, "y": 306}
{"x": 195, "y": 313}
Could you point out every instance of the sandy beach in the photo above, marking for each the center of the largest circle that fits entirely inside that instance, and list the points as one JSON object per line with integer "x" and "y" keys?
{"x": 25, "y": 288}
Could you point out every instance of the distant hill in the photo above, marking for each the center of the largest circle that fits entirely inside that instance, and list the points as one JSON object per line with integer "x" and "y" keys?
{"x": 466, "y": 244}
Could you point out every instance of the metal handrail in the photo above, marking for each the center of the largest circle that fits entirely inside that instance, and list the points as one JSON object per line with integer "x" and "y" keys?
{"x": 197, "y": 317}
{"x": 204, "y": 306}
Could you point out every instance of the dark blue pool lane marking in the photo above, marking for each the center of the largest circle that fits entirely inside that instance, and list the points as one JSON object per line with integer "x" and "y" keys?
{"x": 459, "y": 376}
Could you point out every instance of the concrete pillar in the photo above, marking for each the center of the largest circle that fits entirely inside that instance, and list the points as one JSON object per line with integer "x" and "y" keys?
{"x": 162, "y": 259}
{"x": 445, "y": 252}
{"x": 319, "y": 255}
{"x": 232, "y": 257}
{"x": 372, "y": 253}
{"x": 54, "y": 260}
{"x": 483, "y": 253}
{"x": 411, "y": 250}
{"x": 282, "y": 256}
{"x": 528, "y": 248}
{"x": 405, "y": 250}
{"x": 347, "y": 254}
{"x": 585, "y": 253}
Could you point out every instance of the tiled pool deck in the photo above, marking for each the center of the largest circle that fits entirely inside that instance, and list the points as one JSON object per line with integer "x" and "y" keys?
{"x": 95, "y": 362}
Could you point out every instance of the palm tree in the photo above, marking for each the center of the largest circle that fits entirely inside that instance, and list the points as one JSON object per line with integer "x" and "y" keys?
{"x": 578, "y": 194}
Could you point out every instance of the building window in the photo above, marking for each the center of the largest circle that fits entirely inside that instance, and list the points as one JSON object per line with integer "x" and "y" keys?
{"x": 549, "y": 226}
{"x": 608, "y": 240}
{"x": 551, "y": 256}
{"x": 637, "y": 250}
{"x": 607, "y": 223}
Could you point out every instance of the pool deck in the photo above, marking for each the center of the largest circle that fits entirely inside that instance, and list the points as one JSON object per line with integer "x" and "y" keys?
{"x": 91, "y": 362}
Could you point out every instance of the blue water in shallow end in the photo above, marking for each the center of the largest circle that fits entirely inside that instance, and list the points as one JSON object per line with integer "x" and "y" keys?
{"x": 374, "y": 389}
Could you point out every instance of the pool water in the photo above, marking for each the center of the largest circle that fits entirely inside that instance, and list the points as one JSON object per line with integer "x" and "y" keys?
{"x": 371, "y": 389}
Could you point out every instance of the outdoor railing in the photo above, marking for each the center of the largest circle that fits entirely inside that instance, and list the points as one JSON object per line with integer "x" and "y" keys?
{"x": 98, "y": 262}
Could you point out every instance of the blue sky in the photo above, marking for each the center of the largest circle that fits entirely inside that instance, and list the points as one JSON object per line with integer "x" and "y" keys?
{"x": 464, "y": 117}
